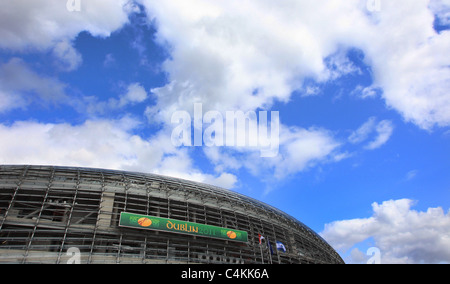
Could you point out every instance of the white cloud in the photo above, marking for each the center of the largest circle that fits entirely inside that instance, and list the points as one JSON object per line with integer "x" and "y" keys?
{"x": 299, "y": 150}
{"x": 135, "y": 93}
{"x": 302, "y": 148}
{"x": 384, "y": 130}
{"x": 47, "y": 25}
{"x": 20, "y": 86}
{"x": 222, "y": 160}
{"x": 9, "y": 102}
{"x": 180, "y": 166}
{"x": 69, "y": 58}
{"x": 41, "y": 24}
{"x": 366, "y": 92}
{"x": 411, "y": 175}
{"x": 402, "y": 234}
{"x": 101, "y": 144}
{"x": 441, "y": 8}
{"x": 362, "y": 133}
{"x": 231, "y": 55}
{"x": 339, "y": 65}
{"x": 109, "y": 61}
{"x": 410, "y": 63}
{"x": 246, "y": 55}
{"x": 225, "y": 180}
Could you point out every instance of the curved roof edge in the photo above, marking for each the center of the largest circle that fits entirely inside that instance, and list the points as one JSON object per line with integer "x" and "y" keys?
{"x": 180, "y": 181}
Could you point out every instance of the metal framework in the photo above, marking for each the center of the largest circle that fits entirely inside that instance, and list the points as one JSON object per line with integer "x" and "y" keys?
{"x": 47, "y": 211}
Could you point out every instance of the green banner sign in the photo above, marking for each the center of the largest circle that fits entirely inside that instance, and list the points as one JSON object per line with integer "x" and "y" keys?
{"x": 175, "y": 226}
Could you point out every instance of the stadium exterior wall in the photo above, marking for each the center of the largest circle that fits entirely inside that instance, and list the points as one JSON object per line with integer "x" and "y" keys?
{"x": 61, "y": 214}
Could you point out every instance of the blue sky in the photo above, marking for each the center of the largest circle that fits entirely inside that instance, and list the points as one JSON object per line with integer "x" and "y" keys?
{"x": 362, "y": 94}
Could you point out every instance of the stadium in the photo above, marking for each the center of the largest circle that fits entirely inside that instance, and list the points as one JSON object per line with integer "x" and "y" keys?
{"x": 91, "y": 216}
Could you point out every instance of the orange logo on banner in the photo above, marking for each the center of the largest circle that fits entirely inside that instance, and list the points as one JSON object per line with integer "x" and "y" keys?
{"x": 232, "y": 235}
{"x": 145, "y": 222}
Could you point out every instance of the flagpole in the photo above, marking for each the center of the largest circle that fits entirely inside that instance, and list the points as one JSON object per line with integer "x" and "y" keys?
{"x": 262, "y": 257}
{"x": 260, "y": 247}
{"x": 270, "y": 253}
{"x": 278, "y": 255}
{"x": 280, "y": 247}
{"x": 278, "y": 252}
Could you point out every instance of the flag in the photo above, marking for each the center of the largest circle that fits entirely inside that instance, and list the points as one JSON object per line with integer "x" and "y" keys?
{"x": 281, "y": 247}
{"x": 270, "y": 246}
{"x": 260, "y": 239}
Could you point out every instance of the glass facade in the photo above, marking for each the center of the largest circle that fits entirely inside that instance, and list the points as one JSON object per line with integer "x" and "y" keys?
{"x": 51, "y": 214}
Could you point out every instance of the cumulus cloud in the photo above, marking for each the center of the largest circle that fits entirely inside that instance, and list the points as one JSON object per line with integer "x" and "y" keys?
{"x": 134, "y": 94}
{"x": 48, "y": 25}
{"x": 40, "y": 24}
{"x": 246, "y": 55}
{"x": 102, "y": 144}
{"x": 414, "y": 73}
{"x": 441, "y": 8}
{"x": 69, "y": 58}
{"x": 300, "y": 149}
{"x": 403, "y": 235}
{"x": 232, "y": 55}
{"x": 20, "y": 86}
